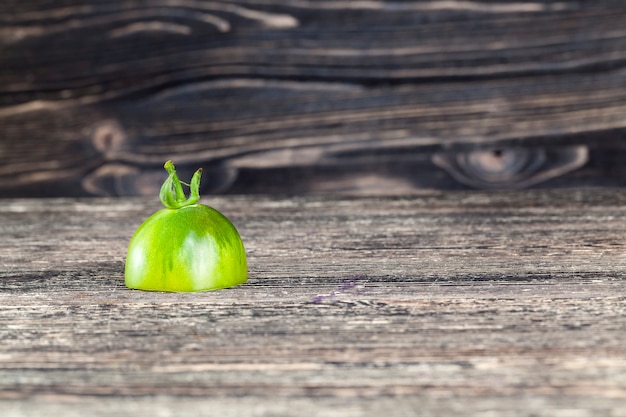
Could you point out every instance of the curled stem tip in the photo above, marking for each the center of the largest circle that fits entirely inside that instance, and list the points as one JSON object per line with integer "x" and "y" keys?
{"x": 172, "y": 194}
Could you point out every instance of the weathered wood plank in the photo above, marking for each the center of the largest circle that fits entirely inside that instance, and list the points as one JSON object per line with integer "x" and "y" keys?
{"x": 461, "y": 303}
{"x": 324, "y": 40}
{"x": 95, "y": 97}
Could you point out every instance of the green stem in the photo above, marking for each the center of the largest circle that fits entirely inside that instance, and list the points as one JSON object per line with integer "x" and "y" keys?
{"x": 172, "y": 195}
{"x": 178, "y": 188}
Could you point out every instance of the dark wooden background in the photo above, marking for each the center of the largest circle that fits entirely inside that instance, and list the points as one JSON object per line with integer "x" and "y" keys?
{"x": 311, "y": 96}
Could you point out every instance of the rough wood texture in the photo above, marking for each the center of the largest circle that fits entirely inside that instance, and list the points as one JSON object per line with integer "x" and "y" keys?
{"x": 474, "y": 304}
{"x": 311, "y": 96}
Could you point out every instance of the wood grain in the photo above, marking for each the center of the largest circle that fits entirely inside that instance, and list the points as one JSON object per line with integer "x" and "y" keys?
{"x": 289, "y": 94}
{"x": 446, "y": 304}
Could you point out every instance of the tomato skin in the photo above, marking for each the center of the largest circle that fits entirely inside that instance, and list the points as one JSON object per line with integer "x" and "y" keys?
{"x": 193, "y": 248}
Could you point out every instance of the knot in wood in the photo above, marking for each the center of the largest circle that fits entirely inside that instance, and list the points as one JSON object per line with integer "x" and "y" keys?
{"x": 502, "y": 165}
{"x": 108, "y": 137}
{"x": 511, "y": 167}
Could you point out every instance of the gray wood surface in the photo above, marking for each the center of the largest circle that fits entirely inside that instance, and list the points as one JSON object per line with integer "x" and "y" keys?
{"x": 474, "y": 304}
{"x": 311, "y": 96}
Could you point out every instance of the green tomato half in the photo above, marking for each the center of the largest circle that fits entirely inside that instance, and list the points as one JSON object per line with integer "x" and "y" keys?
{"x": 186, "y": 246}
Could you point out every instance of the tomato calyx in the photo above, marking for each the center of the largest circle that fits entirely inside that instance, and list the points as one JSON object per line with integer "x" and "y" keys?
{"x": 172, "y": 194}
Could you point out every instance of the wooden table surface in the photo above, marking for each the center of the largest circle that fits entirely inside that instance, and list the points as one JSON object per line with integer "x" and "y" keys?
{"x": 478, "y": 304}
